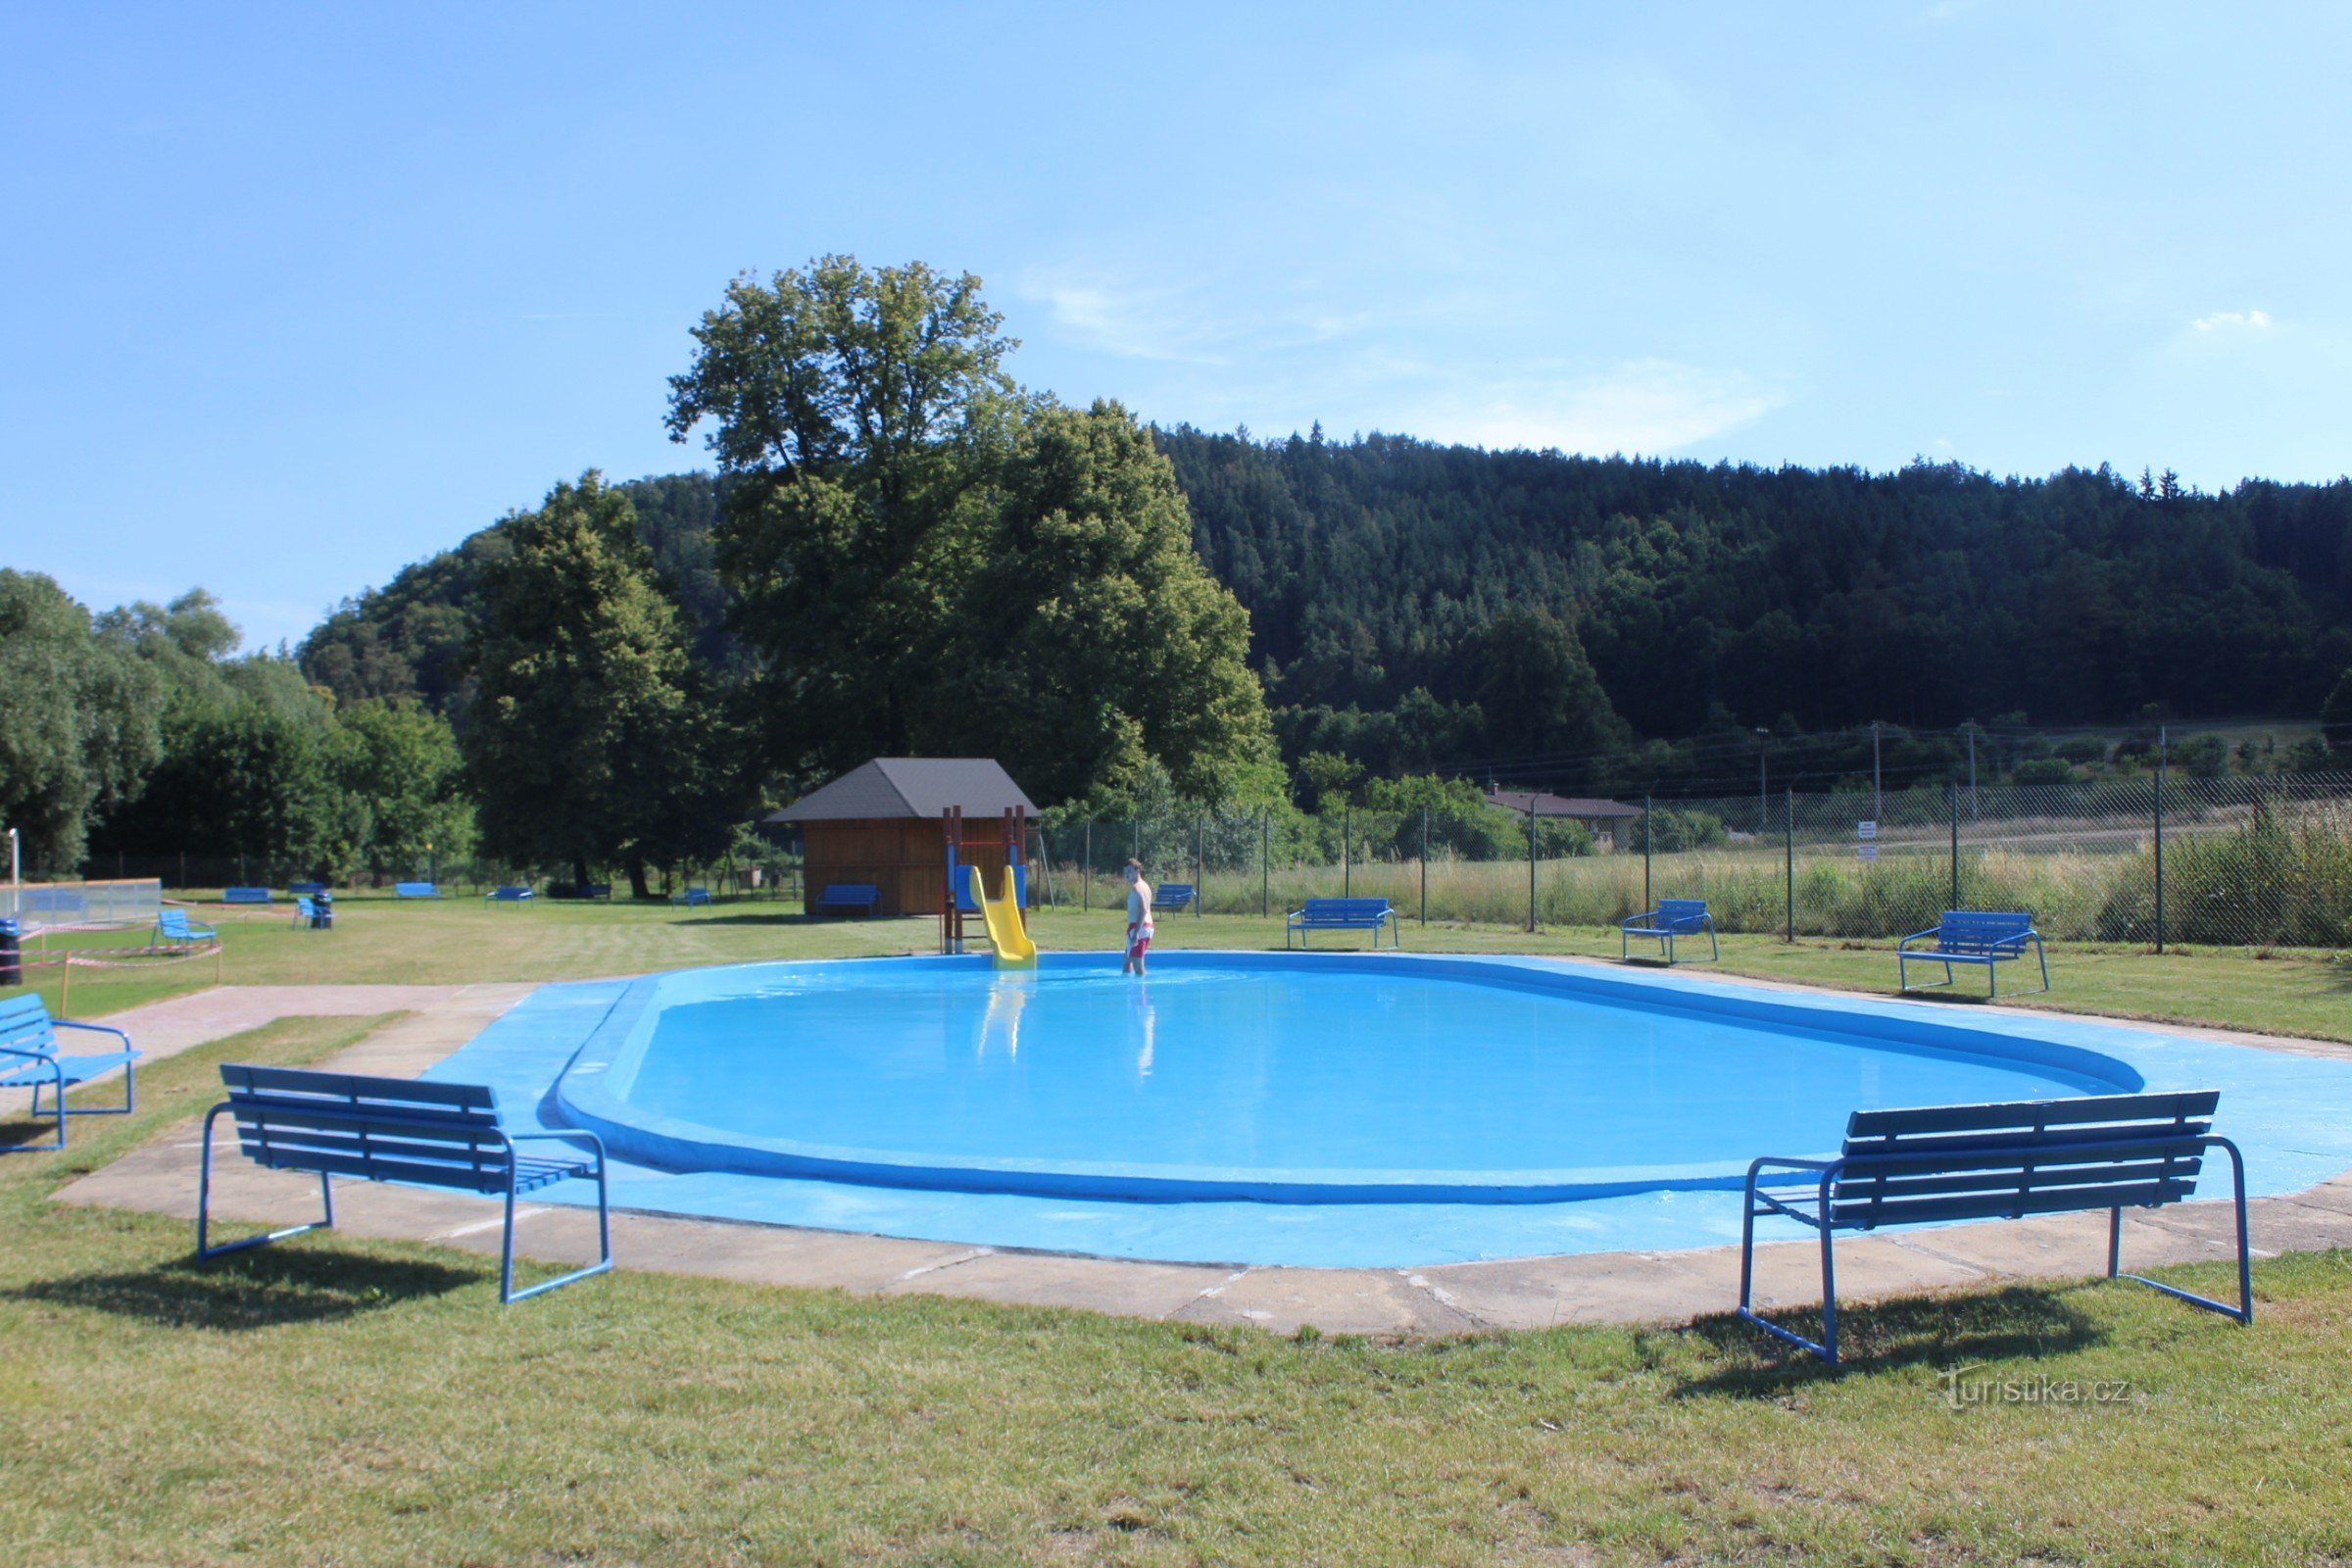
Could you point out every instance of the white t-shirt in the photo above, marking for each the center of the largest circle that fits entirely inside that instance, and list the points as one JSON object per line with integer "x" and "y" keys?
{"x": 1138, "y": 903}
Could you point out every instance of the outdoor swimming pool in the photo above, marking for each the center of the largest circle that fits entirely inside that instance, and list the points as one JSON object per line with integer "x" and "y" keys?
{"x": 1309, "y": 1079}
{"x": 1412, "y": 1109}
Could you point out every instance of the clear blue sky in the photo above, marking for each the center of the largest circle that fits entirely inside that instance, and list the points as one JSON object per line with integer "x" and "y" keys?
{"x": 294, "y": 295}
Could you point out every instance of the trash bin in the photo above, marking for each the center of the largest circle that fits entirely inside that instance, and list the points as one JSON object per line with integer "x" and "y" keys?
{"x": 12, "y": 964}
{"x": 322, "y": 907}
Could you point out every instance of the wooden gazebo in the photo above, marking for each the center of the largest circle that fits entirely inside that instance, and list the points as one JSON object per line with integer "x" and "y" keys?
{"x": 882, "y": 824}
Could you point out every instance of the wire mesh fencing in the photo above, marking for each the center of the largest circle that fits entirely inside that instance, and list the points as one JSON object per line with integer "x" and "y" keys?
{"x": 2153, "y": 859}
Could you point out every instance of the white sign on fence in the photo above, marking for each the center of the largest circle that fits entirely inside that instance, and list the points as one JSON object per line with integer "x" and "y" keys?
{"x": 1866, "y": 831}
{"x": 1867, "y": 852}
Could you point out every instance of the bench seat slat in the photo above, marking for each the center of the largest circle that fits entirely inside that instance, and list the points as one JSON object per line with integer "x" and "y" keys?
{"x": 1934, "y": 1210}
{"x": 2038, "y": 1178}
{"x": 18, "y": 1073}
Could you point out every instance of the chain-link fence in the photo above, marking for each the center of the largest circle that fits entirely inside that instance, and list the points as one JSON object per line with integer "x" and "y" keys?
{"x": 2241, "y": 862}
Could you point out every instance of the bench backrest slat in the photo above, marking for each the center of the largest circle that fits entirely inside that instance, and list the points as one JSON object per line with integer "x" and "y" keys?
{"x": 1979, "y": 930}
{"x": 25, "y": 1025}
{"x": 1344, "y": 909}
{"x": 1681, "y": 914}
{"x": 384, "y": 1129}
{"x": 1925, "y": 1164}
{"x": 244, "y": 895}
{"x": 414, "y": 890}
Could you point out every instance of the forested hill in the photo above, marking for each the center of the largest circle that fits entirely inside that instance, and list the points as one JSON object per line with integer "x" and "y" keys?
{"x": 1922, "y": 597}
{"x": 1376, "y": 568}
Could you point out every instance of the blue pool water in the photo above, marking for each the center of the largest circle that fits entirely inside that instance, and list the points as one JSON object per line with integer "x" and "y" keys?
{"x": 558, "y": 1058}
{"x": 1300, "y": 1081}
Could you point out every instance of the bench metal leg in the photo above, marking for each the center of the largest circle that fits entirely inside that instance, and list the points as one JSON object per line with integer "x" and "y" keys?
{"x": 1827, "y": 1347}
{"x": 2243, "y": 1312}
{"x": 58, "y": 1091}
{"x": 508, "y": 1295}
{"x": 204, "y": 1204}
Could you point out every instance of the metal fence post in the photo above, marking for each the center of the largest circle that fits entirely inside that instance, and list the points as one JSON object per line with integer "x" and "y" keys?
{"x": 1086, "y": 873}
{"x": 1531, "y": 863}
{"x": 1200, "y": 864}
{"x": 1956, "y": 904}
{"x": 1649, "y": 836}
{"x": 1346, "y": 849}
{"x": 1788, "y": 849}
{"x": 1425, "y": 865}
{"x": 2159, "y": 813}
{"x": 1265, "y": 864}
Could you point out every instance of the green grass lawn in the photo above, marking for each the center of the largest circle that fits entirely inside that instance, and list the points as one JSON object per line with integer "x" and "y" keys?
{"x": 337, "y": 1401}
{"x": 455, "y": 941}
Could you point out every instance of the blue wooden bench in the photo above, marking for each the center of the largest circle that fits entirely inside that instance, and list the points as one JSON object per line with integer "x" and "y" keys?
{"x": 173, "y": 929}
{"x": 510, "y": 894}
{"x": 1177, "y": 896}
{"x": 29, "y": 1060}
{"x": 414, "y": 890}
{"x": 1342, "y": 915}
{"x": 298, "y": 888}
{"x": 1938, "y": 1164}
{"x": 692, "y": 898}
{"x": 1673, "y": 917}
{"x": 597, "y": 889}
{"x": 1968, "y": 936}
{"x": 841, "y": 897}
{"x": 258, "y": 896}
{"x": 328, "y": 1124}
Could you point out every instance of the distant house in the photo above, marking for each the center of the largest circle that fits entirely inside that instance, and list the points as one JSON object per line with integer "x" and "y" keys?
{"x": 1606, "y": 820}
{"x": 881, "y": 823}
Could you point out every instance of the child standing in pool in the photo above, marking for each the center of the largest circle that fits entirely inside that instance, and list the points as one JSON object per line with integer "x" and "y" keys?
{"x": 1138, "y": 918}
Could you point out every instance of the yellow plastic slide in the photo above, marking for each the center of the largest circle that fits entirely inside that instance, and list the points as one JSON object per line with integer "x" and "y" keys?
{"x": 1006, "y": 931}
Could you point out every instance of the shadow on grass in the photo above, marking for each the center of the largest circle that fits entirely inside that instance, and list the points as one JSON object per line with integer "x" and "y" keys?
{"x": 264, "y": 1287}
{"x": 1935, "y": 1331}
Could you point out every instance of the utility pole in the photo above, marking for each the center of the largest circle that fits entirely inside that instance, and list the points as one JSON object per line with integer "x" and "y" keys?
{"x": 1763, "y": 797}
{"x": 1877, "y": 780}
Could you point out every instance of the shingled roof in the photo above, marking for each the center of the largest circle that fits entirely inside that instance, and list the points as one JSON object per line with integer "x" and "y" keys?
{"x": 1577, "y": 805}
{"x": 910, "y": 787}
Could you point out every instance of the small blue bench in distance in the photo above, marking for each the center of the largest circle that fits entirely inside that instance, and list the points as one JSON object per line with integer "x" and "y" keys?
{"x": 258, "y": 896}
{"x": 1342, "y": 915}
{"x": 692, "y": 898}
{"x": 1673, "y": 917}
{"x": 510, "y": 894}
{"x": 1940, "y": 1164}
{"x": 29, "y": 1060}
{"x": 1178, "y": 896}
{"x": 1970, "y": 936}
{"x": 173, "y": 929}
{"x": 414, "y": 890}
{"x": 448, "y": 1136}
{"x": 846, "y": 898}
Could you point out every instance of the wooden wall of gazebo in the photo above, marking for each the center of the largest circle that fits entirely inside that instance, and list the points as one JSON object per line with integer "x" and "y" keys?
{"x": 904, "y": 856}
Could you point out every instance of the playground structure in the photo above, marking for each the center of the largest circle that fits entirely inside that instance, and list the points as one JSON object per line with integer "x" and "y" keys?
{"x": 963, "y": 891}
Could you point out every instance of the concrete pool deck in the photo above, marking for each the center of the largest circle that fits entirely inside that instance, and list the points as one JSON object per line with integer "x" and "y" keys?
{"x": 1663, "y": 1286}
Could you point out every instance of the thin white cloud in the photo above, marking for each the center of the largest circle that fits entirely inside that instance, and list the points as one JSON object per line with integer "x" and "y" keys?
{"x": 1183, "y": 323}
{"x": 2234, "y": 322}
{"x": 1647, "y": 406}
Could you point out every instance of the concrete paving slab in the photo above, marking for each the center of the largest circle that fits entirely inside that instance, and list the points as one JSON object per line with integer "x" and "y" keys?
{"x": 1094, "y": 1284}
{"x": 1337, "y": 1301}
{"x": 1788, "y": 1273}
{"x": 1587, "y": 1287}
